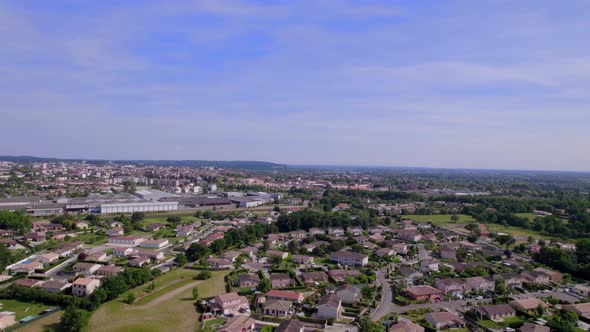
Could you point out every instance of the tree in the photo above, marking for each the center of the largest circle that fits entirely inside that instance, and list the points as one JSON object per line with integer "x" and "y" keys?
{"x": 293, "y": 247}
{"x": 174, "y": 220}
{"x": 180, "y": 259}
{"x": 195, "y": 293}
{"x": 203, "y": 275}
{"x": 275, "y": 261}
{"x": 129, "y": 298}
{"x": 367, "y": 325}
{"x": 137, "y": 217}
{"x": 455, "y": 218}
{"x": 500, "y": 287}
{"x": 540, "y": 310}
{"x": 73, "y": 319}
{"x": 264, "y": 285}
{"x": 197, "y": 252}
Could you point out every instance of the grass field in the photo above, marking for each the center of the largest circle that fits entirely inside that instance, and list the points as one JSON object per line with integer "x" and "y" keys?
{"x": 440, "y": 219}
{"x": 22, "y": 309}
{"x": 49, "y": 322}
{"x": 168, "y": 308}
{"x": 517, "y": 231}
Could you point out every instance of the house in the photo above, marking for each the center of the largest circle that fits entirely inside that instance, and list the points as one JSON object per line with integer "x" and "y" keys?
{"x": 448, "y": 253}
{"x": 84, "y": 286}
{"x": 450, "y": 286}
{"x": 581, "y": 309}
{"x": 356, "y": 231}
{"x": 81, "y": 225}
{"x": 511, "y": 280}
{"x": 291, "y": 325}
{"x": 231, "y": 255}
{"x": 495, "y": 312}
{"x": 340, "y": 275}
{"x": 248, "y": 280}
{"x": 302, "y": 259}
{"x": 409, "y": 272}
{"x": 534, "y": 277}
{"x": 528, "y": 306}
{"x": 7, "y": 318}
{"x": 410, "y": 235}
{"x": 117, "y": 231}
{"x": 156, "y": 244}
{"x": 423, "y": 293}
{"x": 280, "y": 280}
{"x": 277, "y": 308}
{"x": 35, "y": 237}
{"x": 348, "y": 294}
{"x": 581, "y": 290}
{"x": 349, "y": 258}
{"x": 97, "y": 257}
{"x": 337, "y": 232}
{"x": 385, "y": 252}
{"x": 250, "y": 251}
{"x": 48, "y": 258}
{"x": 311, "y": 277}
{"x": 316, "y": 231}
{"x": 479, "y": 284}
{"x": 281, "y": 254}
{"x": 116, "y": 224}
{"x": 28, "y": 283}
{"x": 292, "y": 296}
{"x": 554, "y": 276}
{"x": 230, "y": 303}
{"x": 86, "y": 268}
{"x": 298, "y": 235}
{"x": 54, "y": 286}
{"x": 154, "y": 227}
{"x": 530, "y": 327}
{"x": 27, "y": 268}
{"x": 239, "y": 323}
{"x": 429, "y": 265}
{"x": 400, "y": 248}
{"x": 330, "y": 307}
{"x": 139, "y": 261}
{"x": 406, "y": 326}
{"x": 126, "y": 240}
{"x": 219, "y": 263}
{"x": 122, "y": 251}
{"x": 444, "y": 320}
{"x": 108, "y": 270}
{"x": 9, "y": 243}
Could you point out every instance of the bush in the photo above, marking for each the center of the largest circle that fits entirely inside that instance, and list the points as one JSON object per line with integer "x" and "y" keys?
{"x": 203, "y": 275}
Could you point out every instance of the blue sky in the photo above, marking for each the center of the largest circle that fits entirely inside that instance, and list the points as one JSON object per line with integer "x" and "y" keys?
{"x": 473, "y": 84}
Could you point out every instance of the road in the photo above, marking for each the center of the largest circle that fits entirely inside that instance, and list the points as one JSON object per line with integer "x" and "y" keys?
{"x": 386, "y": 295}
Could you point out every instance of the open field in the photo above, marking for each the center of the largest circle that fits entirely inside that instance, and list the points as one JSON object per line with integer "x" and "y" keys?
{"x": 22, "y": 309}
{"x": 49, "y": 322}
{"x": 440, "y": 219}
{"x": 517, "y": 232}
{"x": 168, "y": 308}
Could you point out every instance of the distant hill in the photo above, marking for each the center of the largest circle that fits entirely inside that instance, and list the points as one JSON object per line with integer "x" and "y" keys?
{"x": 247, "y": 165}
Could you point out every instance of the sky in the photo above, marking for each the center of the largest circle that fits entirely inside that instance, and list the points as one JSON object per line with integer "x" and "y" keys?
{"x": 467, "y": 84}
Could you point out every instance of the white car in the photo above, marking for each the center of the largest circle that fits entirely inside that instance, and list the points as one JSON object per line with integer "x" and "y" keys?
{"x": 509, "y": 329}
{"x": 479, "y": 297}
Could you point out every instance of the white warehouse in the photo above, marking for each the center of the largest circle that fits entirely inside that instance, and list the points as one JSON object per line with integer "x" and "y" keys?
{"x": 138, "y": 206}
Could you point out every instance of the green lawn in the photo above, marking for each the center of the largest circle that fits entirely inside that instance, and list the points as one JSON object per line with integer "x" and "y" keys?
{"x": 439, "y": 219}
{"x": 22, "y": 309}
{"x": 168, "y": 308}
{"x": 152, "y": 220}
{"x": 49, "y": 322}
{"x": 212, "y": 325}
{"x": 516, "y": 231}
{"x": 508, "y": 322}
